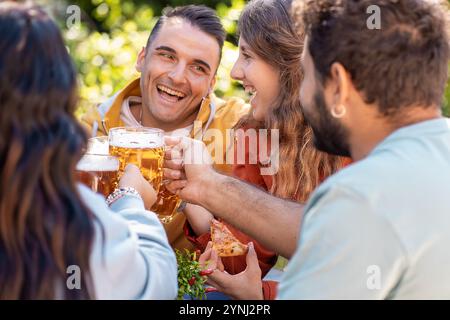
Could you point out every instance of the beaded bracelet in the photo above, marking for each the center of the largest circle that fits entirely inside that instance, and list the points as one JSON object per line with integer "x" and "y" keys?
{"x": 121, "y": 192}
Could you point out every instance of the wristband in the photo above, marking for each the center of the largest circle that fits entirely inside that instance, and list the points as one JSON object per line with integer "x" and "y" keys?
{"x": 120, "y": 193}
{"x": 182, "y": 206}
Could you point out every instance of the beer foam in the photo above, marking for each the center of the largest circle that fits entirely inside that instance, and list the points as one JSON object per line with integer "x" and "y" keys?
{"x": 137, "y": 141}
{"x": 96, "y": 146}
{"x": 97, "y": 163}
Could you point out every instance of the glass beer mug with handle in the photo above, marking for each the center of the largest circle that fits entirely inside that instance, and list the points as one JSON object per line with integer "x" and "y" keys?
{"x": 98, "y": 172}
{"x": 143, "y": 147}
{"x": 167, "y": 204}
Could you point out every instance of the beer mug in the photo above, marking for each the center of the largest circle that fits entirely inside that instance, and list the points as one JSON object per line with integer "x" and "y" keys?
{"x": 166, "y": 205}
{"x": 98, "y": 172}
{"x": 143, "y": 147}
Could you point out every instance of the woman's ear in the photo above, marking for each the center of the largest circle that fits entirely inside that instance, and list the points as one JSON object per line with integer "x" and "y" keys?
{"x": 141, "y": 60}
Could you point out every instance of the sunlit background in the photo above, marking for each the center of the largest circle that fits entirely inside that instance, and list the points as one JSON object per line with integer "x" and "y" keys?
{"x": 105, "y": 44}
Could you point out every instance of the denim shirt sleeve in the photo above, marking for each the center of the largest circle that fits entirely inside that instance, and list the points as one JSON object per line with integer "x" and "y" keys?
{"x": 131, "y": 256}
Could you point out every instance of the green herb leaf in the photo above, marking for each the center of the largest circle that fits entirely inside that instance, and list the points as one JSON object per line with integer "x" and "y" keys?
{"x": 188, "y": 268}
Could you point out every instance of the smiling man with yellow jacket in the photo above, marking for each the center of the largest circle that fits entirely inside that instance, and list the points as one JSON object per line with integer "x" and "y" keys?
{"x": 178, "y": 68}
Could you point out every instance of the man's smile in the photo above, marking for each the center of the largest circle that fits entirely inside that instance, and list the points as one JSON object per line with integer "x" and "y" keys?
{"x": 170, "y": 94}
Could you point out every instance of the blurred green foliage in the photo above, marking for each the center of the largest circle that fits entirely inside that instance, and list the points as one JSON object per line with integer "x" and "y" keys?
{"x": 447, "y": 99}
{"x": 105, "y": 44}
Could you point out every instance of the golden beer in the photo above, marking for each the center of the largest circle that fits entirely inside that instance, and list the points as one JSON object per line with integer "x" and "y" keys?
{"x": 143, "y": 147}
{"x": 98, "y": 172}
{"x": 166, "y": 205}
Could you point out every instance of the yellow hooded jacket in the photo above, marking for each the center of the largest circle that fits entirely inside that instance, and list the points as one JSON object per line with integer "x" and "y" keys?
{"x": 215, "y": 116}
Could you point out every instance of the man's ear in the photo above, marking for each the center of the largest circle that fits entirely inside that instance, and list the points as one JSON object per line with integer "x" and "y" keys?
{"x": 341, "y": 84}
{"x": 212, "y": 85}
{"x": 141, "y": 60}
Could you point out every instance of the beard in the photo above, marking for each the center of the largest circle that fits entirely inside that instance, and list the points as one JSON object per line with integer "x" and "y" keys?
{"x": 328, "y": 134}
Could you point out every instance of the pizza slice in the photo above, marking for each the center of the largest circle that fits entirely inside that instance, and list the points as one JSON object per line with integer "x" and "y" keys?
{"x": 224, "y": 242}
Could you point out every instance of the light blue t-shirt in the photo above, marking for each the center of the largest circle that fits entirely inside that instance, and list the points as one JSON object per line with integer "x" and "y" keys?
{"x": 380, "y": 228}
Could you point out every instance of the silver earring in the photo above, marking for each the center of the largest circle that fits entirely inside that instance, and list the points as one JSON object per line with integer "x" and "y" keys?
{"x": 339, "y": 114}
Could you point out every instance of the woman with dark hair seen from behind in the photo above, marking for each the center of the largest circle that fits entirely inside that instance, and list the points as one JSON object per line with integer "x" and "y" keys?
{"x": 47, "y": 221}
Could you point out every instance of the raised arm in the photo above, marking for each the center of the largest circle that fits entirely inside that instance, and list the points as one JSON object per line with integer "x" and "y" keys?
{"x": 199, "y": 218}
{"x": 131, "y": 257}
{"x": 273, "y": 222}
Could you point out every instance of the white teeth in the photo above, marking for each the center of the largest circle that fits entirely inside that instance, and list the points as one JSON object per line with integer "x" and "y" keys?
{"x": 171, "y": 92}
{"x": 250, "y": 90}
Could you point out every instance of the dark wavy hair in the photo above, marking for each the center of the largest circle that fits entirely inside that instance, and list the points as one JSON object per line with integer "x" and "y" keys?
{"x": 44, "y": 226}
{"x": 267, "y": 27}
{"x": 402, "y": 64}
